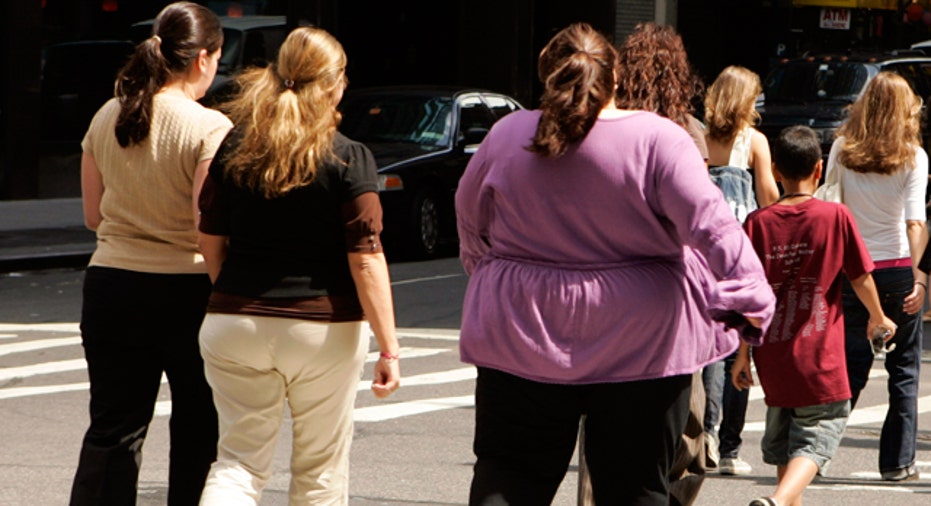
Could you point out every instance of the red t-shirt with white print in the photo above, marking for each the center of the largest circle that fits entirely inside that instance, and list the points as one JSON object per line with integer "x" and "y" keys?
{"x": 805, "y": 250}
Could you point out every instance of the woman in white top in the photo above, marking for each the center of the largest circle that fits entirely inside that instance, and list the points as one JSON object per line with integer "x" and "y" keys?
{"x": 732, "y": 141}
{"x": 884, "y": 172}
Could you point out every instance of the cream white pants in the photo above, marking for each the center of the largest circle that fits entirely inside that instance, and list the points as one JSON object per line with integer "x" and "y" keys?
{"x": 254, "y": 364}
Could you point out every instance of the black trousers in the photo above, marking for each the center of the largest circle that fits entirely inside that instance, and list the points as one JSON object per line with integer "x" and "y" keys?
{"x": 525, "y": 435}
{"x": 134, "y": 327}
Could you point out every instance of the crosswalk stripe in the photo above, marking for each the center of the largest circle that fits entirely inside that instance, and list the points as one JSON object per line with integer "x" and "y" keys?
{"x": 859, "y": 416}
{"x": 434, "y": 378}
{"x": 38, "y": 344}
{"x": 73, "y": 327}
{"x": 26, "y": 371}
{"x": 400, "y": 409}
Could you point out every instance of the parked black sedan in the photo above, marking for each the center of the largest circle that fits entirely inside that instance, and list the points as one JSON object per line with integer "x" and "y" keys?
{"x": 422, "y": 138}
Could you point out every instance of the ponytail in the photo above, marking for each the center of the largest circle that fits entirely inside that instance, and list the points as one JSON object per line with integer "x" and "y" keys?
{"x": 140, "y": 79}
{"x": 180, "y": 32}
{"x": 577, "y": 68}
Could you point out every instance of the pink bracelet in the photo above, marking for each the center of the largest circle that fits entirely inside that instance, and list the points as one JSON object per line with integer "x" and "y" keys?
{"x": 389, "y": 356}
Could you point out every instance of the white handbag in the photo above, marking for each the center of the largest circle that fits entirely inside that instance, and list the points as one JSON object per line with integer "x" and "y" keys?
{"x": 832, "y": 190}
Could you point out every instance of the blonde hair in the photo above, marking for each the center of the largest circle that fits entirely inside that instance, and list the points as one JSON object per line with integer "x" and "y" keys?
{"x": 287, "y": 115}
{"x": 883, "y": 128}
{"x": 729, "y": 103}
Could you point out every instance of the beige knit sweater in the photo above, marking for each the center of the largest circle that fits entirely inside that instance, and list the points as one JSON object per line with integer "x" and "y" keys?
{"x": 148, "y": 223}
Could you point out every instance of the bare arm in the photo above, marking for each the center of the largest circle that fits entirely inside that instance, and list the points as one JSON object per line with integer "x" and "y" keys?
{"x": 91, "y": 191}
{"x": 370, "y": 274}
{"x": 200, "y": 174}
{"x": 213, "y": 247}
{"x": 767, "y": 192}
{"x": 865, "y": 288}
{"x": 917, "y": 232}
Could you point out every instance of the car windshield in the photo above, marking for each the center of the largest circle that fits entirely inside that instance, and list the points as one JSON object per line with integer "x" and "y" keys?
{"x": 815, "y": 82}
{"x": 421, "y": 120}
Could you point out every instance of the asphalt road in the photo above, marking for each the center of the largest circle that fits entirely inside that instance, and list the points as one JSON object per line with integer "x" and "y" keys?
{"x": 413, "y": 449}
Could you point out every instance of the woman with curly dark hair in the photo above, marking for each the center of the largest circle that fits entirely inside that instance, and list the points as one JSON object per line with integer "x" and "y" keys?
{"x": 656, "y": 76}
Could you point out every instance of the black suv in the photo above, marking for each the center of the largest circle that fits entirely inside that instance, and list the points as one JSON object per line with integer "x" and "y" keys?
{"x": 816, "y": 90}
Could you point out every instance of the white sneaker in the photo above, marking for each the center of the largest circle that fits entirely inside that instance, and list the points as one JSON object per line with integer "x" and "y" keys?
{"x": 711, "y": 451}
{"x": 734, "y": 467}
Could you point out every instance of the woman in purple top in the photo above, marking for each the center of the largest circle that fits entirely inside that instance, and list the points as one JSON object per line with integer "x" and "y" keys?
{"x": 585, "y": 230}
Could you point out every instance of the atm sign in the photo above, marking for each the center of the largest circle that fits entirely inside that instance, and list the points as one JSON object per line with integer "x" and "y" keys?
{"x": 835, "y": 19}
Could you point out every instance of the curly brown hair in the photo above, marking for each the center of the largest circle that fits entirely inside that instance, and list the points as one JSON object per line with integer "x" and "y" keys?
{"x": 655, "y": 74}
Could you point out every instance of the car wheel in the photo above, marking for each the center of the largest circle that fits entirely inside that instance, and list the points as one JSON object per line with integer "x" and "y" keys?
{"x": 425, "y": 225}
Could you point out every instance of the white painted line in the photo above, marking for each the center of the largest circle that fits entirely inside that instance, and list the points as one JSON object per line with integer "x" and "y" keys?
{"x": 11, "y": 393}
{"x": 863, "y": 488}
{"x": 38, "y": 344}
{"x": 398, "y": 410}
{"x": 434, "y": 378}
{"x": 859, "y": 416}
{"x": 9, "y": 336}
{"x": 72, "y": 327}
{"x": 423, "y": 280}
{"x": 437, "y": 334}
{"x": 406, "y": 352}
{"x": 9, "y": 373}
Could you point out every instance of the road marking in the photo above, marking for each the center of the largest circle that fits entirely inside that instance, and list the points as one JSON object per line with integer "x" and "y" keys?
{"x": 859, "y": 416}
{"x": 422, "y": 280}
{"x": 10, "y": 393}
{"x": 9, "y": 373}
{"x": 863, "y": 488}
{"x": 400, "y": 409}
{"x": 72, "y": 327}
{"x": 436, "y": 334}
{"x": 434, "y": 378}
{"x": 38, "y": 344}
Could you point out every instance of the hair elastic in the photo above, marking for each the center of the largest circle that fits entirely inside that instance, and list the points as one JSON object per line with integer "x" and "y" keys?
{"x": 157, "y": 39}
{"x": 289, "y": 84}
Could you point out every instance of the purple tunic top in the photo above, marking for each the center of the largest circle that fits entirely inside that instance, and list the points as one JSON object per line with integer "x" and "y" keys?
{"x": 618, "y": 261}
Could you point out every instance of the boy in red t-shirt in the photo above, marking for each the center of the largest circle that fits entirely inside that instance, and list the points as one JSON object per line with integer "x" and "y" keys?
{"x": 806, "y": 246}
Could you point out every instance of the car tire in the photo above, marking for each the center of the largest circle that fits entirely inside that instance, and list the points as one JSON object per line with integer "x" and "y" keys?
{"x": 425, "y": 225}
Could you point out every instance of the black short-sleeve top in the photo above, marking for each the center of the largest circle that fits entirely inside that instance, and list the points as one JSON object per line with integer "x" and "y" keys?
{"x": 287, "y": 256}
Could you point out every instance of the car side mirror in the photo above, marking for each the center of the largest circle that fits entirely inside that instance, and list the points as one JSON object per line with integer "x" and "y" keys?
{"x": 472, "y": 137}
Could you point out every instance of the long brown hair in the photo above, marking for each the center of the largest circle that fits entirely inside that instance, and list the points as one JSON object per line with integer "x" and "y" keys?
{"x": 654, "y": 73}
{"x": 729, "y": 104}
{"x": 287, "y": 114}
{"x": 882, "y": 128}
{"x": 577, "y": 68}
{"x": 180, "y": 31}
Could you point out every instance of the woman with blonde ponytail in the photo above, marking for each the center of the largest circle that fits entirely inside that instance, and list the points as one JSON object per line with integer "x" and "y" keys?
{"x": 290, "y": 223}
{"x": 145, "y": 156}
{"x": 581, "y": 226}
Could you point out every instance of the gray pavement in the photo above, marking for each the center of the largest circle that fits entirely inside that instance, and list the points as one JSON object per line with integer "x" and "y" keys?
{"x": 39, "y": 234}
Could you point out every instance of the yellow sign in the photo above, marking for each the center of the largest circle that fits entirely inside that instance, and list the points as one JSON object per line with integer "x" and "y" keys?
{"x": 849, "y": 4}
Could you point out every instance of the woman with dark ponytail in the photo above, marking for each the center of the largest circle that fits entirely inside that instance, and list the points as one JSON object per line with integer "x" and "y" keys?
{"x": 579, "y": 225}
{"x": 145, "y": 157}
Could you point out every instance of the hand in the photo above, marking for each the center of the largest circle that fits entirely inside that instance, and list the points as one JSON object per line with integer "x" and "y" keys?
{"x": 741, "y": 376}
{"x": 915, "y": 300}
{"x": 387, "y": 377}
{"x": 885, "y": 322}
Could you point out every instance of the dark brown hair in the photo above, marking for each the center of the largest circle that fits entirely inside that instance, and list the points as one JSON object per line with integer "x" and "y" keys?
{"x": 180, "y": 31}
{"x": 577, "y": 68}
{"x": 654, "y": 73}
{"x": 796, "y": 152}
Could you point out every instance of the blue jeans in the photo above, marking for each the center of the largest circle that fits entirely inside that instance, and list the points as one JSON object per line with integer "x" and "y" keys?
{"x": 723, "y": 401}
{"x": 898, "y": 438}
